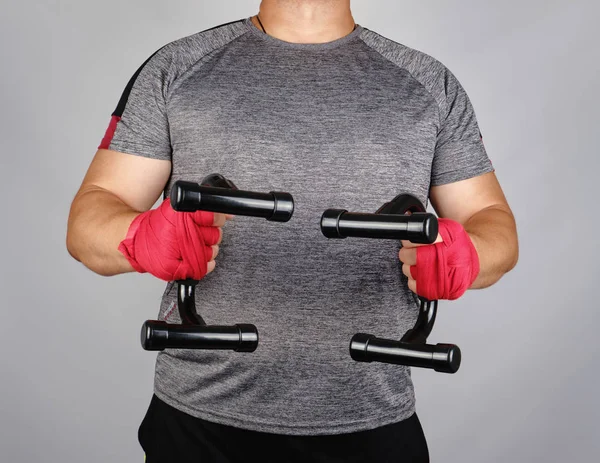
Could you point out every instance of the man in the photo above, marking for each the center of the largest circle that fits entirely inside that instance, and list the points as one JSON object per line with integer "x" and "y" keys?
{"x": 300, "y": 99}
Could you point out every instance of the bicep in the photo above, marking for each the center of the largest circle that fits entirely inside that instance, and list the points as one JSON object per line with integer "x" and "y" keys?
{"x": 138, "y": 181}
{"x": 459, "y": 201}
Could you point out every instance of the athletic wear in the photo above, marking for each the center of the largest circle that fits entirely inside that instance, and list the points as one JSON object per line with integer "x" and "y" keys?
{"x": 169, "y": 245}
{"x": 345, "y": 124}
{"x": 168, "y": 435}
{"x": 447, "y": 269}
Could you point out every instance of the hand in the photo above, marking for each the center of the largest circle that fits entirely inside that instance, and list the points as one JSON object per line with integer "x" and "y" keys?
{"x": 444, "y": 269}
{"x": 408, "y": 257}
{"x": 174, "y": 245}
{"x": 218, "y": 221}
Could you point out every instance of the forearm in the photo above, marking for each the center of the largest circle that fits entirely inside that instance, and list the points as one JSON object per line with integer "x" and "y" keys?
{"x": 493, "y": 232}
{"x": 98, "y": 222}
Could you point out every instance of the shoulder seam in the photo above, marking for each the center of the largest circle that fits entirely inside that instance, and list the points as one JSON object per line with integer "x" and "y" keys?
{"x": 409, "y": 73}
{"x": 120, "y": 109}
{"x": 172, "y": 87}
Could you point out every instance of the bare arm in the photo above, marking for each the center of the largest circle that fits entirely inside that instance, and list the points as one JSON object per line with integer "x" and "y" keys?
{"x": 116, "y": 188}
{"x": 481, "y": 207}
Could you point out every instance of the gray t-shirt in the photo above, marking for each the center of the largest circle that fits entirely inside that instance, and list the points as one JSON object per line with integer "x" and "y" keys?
{"x": 346, "y": 124}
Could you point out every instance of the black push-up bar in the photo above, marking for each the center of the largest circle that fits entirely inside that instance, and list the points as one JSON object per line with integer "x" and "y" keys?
{"x": 391, "y": 222}
{"x": 216, "y": 194}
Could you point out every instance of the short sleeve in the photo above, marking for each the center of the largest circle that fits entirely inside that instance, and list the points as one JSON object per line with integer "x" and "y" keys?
{"x": 459, "y": 151}
{"x": 139, "y": 125}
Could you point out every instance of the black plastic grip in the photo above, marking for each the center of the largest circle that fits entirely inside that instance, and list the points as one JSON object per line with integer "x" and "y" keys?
{"x": 189, "y": 197}
{"x": 403, "y": 218}
{"x": 419, "y": 227}
{"x": 444, "y": 358}
{"x": 158, "y": 335}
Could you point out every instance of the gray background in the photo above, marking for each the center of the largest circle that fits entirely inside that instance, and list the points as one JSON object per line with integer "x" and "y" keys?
{"x": 75, "y": 383}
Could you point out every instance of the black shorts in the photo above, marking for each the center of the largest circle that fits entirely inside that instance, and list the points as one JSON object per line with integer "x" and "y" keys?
{"x": 168, "y": 435}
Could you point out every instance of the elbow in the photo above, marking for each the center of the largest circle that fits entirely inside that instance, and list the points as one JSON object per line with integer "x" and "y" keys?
{"x": 511, "y": 244}
{"x": 71, "y": 245}
{"x": 88, "y": 262}
{"x": 81, "y": 247}
{"x": 71, "y": 236}
{"x": 514, "y": 261}
{"x": 513, "y": 255}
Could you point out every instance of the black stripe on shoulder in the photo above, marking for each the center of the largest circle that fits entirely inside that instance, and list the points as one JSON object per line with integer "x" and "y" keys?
{"x": 125, "y": 96}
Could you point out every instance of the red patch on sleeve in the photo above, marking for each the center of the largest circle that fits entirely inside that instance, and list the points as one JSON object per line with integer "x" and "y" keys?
{"x": 110, "y": 133}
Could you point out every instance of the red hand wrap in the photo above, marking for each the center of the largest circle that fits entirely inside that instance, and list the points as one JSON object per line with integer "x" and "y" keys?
{"x": 171, "y": 245}
{"x": 446, "y": 270}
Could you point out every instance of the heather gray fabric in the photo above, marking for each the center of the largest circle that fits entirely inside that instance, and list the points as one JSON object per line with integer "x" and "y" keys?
{"x": 347, "y": 124}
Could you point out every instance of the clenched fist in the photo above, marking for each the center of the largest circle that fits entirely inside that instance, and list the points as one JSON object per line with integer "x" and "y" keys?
{"x": 174, "y": 245}
{"x": 444, "y": 269}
